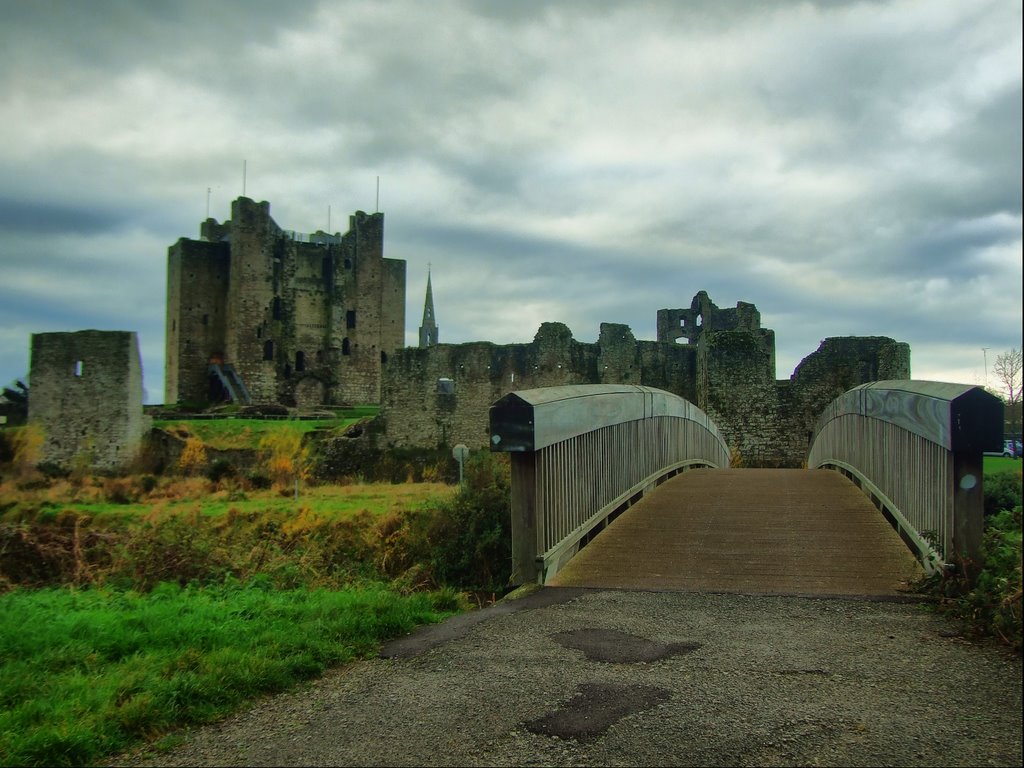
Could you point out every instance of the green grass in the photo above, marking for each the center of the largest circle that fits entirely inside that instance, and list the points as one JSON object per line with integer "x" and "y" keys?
{"x": 88, "y": 673}
{"x": 993, "y": 464}
{"x": 246, "y": 433}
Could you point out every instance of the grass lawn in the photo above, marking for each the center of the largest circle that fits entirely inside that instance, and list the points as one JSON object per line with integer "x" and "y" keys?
{"x": 993, "y": 464}
{"x": 88, "y": 673}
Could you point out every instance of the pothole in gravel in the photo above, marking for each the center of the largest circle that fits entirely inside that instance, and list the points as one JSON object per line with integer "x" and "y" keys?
{"x": 594, "y": 709}
{"x": 610, "y": 645}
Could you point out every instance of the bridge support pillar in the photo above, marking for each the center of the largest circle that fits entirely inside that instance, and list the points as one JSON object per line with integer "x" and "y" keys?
{"x": 524, "y": 519}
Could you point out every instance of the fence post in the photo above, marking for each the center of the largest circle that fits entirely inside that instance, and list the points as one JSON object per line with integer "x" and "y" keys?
{"x": 968, "y": 511}
{"x": 524, "y": 518}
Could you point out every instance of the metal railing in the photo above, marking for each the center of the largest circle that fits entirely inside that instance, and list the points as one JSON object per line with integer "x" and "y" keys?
{"x": 915, "y": 447}
{"x": 582, "y": 454}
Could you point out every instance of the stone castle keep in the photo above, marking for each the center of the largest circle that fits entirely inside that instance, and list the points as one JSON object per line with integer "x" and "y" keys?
{"x": 256, "y": 313}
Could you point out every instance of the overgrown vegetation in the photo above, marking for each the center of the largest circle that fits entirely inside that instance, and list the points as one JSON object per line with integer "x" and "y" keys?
{"x": 132, "y": 605}
{"x": 242, "y": 433}
{"x": 991, "y": 606}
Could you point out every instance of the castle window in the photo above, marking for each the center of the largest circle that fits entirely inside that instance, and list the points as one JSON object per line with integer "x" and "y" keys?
{"x": 287, "y": 371}
{"x": 300, "y": 361}
{"x": 259, "y": 332}
{"x": 328, "y": 272}
{"x": 350, "y": 319}
{"x": 348, "y": 263}
{"x": 78, "y": 368}
{"x": 174, "y": 325}
{"x": 383, "y": 357}
{"x": 275, "y": 308}
{"x": 206, "y": 319}
{"x": 268, "y": 350}
{"x": 345, "y": 348}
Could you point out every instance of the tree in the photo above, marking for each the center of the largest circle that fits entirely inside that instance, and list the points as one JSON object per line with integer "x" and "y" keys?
{"x": 16, "y": 398}
{"x": 1007, "y": 369}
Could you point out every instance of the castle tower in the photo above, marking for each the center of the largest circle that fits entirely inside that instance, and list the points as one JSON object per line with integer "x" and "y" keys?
{"x": 86, "y": 396}
{"x": 260, "y": 314}
{"x": 428, "y": 331}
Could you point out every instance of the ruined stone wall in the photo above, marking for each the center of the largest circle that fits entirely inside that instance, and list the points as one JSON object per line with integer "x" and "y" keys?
{"x": 392, "y": 312}
{"x": 730, "y": 374}
{"x": 256, "y": 279}
{"x": 704, "y": 315}
{"x": 197, "y": 287}
{"x": 86, "y": 395}
{"x": 839, "y": 364}
{"x": 736, "y": 388}
{"x": 363, "y": 316}
{"x": 419, "y": 412}
{"x": 768, "y": 422}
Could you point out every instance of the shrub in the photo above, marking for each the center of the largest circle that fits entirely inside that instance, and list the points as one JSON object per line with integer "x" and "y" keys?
{"x": 27, "y": 443}
{"x": 193, "y": 457}
{"x": 993, "y": 606}
{"x": 258, "y": 481}
{"x": 474, "y": 530}
{"x": 1002, "y": 491}
{"x": 284, "y": 457}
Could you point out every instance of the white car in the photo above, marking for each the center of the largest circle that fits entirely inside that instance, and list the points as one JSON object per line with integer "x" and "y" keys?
{"x": 1011, "y": 449}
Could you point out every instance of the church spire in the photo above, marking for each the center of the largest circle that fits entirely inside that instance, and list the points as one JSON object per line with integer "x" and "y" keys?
{"x": 428, "y": 331}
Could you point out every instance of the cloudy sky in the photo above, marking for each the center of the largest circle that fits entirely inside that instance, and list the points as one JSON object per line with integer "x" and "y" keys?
{"x": 850, "y": 168}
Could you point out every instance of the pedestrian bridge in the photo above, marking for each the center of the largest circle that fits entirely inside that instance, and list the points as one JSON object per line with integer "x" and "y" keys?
{"x": 650, "y": 473}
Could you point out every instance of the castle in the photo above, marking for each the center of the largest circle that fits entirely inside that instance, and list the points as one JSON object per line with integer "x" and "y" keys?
{"x": 441, "y": 394}
{"x": 256, "y": 313}
{"x": 259, "y": 314}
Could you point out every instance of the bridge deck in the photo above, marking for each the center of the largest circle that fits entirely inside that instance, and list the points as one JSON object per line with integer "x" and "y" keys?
{"x": 766, "y": 531}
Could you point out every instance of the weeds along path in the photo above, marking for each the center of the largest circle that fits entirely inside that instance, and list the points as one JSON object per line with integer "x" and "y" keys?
{"x": 642, "y": 678}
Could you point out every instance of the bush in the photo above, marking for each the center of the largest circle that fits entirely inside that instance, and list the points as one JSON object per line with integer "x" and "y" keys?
{"x": 993, "y": 606}
{"x": 474, "y": 531}
{"x": 1002, "y": 491}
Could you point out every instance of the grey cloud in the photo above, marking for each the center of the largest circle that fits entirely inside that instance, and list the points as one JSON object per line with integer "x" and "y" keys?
{"x": 582, "y": 161}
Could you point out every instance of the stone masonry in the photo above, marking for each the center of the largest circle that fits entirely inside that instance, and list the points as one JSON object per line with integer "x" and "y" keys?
{"x": 299, "y": 319}
{"x": 726, "y": 365}
{"x": 86, "y": 395}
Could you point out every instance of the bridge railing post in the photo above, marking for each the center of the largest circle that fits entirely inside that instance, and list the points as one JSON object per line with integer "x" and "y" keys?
{"x": 524, "y": 518}
{"x": 968, "y": 511}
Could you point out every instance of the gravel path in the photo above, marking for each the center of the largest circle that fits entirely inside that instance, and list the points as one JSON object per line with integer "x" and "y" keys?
{"x": 645, "y": 678}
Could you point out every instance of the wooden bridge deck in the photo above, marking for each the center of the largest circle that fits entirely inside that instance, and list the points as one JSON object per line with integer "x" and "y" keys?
{"x": 763, "y": 531}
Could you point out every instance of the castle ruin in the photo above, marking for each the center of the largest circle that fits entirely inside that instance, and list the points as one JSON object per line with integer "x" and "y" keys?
{"x": 260, "y": 314}
{"x": 719, "y": 359}
{"x": 86, "y": 396}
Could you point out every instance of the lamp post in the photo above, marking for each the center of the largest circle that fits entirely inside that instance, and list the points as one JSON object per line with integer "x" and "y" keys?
{"x": 984, "y": 352}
